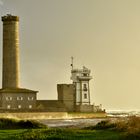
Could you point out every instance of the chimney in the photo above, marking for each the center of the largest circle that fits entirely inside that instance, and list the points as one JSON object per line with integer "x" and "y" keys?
{"x": 10, "y": 74}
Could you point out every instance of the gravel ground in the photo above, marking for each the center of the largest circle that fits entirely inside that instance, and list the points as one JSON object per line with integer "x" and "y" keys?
{"x": 70, "y": 123}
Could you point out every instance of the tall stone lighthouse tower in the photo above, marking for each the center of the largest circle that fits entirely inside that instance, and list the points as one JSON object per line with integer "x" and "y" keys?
{"x": 10, "y": 52}
{"x": 12, "y": 96}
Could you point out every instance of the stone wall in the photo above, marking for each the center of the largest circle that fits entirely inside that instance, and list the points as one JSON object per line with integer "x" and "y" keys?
{"x": 35, "y": 115}
{"x": 50, "y": 106}
{"x": 84, "y": 108}
{"x": 51, "y": 115}
{"x": 17, "y": 99}
{"x": 66, "y": 94}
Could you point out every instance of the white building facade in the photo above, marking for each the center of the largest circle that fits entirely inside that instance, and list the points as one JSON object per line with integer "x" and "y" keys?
{"x": 81, "y": 78}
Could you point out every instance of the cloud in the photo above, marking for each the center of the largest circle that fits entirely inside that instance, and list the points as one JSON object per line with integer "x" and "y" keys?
{"x": 1, "y": 2}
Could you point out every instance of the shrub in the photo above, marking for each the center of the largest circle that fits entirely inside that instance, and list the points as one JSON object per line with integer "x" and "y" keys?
{"x": 102, "y": 125}
{"x": 133, "y": 127}
{"x": 30, "y": 124}
{"x": 6, "y": 123}
{"x": 130, "y": 126}
{"x": 121, "y": 125}
{"x": 45, "y": 134}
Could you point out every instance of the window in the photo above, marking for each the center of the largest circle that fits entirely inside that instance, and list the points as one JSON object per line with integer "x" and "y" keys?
{"x": 8, "y": 98}
{"x": 85, "y": 74}
{"x": 30, "y": 106}
{"x": 19, "y": 106}
{"x": 30, "y": 98}
{"x": 85, "y": 87}
{"x": 85, "y": 96}
{"x": 19, "y": 98}
{"x": 8, "y": 106}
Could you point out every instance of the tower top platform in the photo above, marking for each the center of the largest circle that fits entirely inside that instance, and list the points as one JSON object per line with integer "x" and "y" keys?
{"x": 10, "y": 17}
{"x": 80, "y": 74}
{"x": 84, "y": 70}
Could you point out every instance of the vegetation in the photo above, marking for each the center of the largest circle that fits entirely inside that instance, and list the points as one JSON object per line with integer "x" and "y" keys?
{"x": 19, "y": 124}
{"x": 59, "y": 134}
{"x": 128, "y": 127}
{"x": 124, "y": 129}
{"x": 131, "y": 127}
{"x": 102, "y": 125}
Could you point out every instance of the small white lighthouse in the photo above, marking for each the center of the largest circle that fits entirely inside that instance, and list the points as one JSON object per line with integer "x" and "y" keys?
{"x": 76, "y": 96}
{"x": 81, "y": 78}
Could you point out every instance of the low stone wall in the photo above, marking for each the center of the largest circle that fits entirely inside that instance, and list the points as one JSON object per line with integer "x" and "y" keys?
{"x": 84, "y": 108}
{"x": 35, "y": 115}
{"x": 87, "y": 115}
{"x": 51, "y": 115}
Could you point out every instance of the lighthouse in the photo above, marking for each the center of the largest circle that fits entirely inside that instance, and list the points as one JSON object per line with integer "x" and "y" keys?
{"x": 12, "y": 96}
{"x": 81, "y": 78}
{"x": 10, "y": 52}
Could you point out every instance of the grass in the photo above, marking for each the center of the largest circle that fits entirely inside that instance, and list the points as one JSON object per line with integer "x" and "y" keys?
{"x": 128, "y": 129}
{"x": 63, "y": 134}
{"x": 11, "y": 134}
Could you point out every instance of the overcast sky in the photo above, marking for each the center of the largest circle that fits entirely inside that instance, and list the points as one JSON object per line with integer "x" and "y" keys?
{"x": 103, "y": 35}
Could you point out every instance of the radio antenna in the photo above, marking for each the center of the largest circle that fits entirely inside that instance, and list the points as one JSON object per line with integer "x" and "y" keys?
{"x": 72, "y": 62}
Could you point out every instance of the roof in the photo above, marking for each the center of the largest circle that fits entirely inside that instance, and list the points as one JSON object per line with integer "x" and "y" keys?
{"x": 16, "y": 90}
{"x": 10, "y": 17}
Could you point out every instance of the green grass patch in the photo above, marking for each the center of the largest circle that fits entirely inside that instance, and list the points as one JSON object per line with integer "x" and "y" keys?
{"x": 104, "y": 130}
{"x": 62, "y": 134}
{"x": 11, "y": 134}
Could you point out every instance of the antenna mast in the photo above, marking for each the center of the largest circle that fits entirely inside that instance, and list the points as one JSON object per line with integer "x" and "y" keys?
{"x": 72, "y": 62}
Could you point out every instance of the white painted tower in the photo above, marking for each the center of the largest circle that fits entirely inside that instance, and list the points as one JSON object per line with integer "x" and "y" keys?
{"x": 81, "y": 78}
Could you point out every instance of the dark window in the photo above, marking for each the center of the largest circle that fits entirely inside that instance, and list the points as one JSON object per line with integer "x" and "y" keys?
{"x": 85, "y": 96}
{"x": 85, "y": 87}
{"x": 85, "y": 74}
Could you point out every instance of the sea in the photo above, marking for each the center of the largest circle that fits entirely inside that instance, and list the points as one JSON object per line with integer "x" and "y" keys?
{"x": 123, "y": 113}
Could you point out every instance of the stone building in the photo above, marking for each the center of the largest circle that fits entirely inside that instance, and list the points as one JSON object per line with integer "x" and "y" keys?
{"x": 12, "y": 96}
{"x": 21, "y": 99}
{"x": 73, "y": 97}
{"x": 76, "y": 96}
